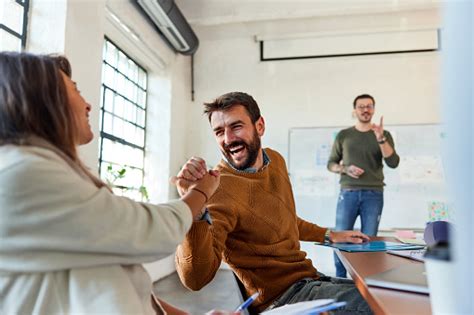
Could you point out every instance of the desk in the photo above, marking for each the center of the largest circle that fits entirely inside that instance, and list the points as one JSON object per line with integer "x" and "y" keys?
{"x": 383, "y": 301}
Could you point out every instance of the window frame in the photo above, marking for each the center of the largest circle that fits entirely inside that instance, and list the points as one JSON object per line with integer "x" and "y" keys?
{"x": 114, "y": 138}
{"x": 24, "y": 32}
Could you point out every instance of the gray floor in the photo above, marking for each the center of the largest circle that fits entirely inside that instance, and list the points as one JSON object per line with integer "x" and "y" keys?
{"x": 222, "y": 293}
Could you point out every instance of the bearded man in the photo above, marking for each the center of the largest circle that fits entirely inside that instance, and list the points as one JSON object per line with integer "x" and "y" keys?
{"x": 251, "y": 223}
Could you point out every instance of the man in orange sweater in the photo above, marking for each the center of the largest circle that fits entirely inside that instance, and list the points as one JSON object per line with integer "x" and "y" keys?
{"x": 251, "y": 222}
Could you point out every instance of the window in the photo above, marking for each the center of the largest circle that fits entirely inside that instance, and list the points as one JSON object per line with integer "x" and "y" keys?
{"x": 123, "y": 121}
{"x": 14, "y": 19}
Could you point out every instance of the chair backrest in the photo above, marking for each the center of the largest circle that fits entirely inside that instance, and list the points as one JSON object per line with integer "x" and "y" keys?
{"x": 251, "y": 310}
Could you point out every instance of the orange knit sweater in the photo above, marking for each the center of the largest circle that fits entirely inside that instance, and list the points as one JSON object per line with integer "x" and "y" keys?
{"x": 255, "y": 230}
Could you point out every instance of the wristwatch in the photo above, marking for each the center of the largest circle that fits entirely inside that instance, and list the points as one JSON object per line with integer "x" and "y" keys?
{"x": 326, "y": 235}
{"x": 382, "y": 141}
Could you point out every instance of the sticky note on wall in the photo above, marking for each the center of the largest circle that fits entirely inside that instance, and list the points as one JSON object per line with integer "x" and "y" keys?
{"x": 438, "y": 211}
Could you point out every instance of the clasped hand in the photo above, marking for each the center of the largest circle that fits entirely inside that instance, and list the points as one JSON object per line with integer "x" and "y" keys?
{"x": 194, "y": 174}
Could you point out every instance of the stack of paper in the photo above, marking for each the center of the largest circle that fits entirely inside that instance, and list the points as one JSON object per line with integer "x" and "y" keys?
{"x": 413, "y": 241}
{"x": 307, "y": 307}
{"x": 417, "y": 254}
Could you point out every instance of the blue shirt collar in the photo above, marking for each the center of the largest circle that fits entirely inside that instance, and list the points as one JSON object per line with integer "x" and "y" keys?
{"x": 251, "y": 170}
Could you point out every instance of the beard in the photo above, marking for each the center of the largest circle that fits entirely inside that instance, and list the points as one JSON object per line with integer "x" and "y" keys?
{"x": 251, "y": 147}
{"x": 364, "y": 118}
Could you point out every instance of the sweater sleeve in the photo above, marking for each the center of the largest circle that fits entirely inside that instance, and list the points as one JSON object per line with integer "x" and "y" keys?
{"x": 336, "y": 152}
{"x": 54, "y": 219}
{"x": 393, "y": 160}
{"x": 198, "y": 258}
{"x": 310, "y": 231}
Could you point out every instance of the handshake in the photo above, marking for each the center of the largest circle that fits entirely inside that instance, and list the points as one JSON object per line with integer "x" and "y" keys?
{"x": 194, "y": 176}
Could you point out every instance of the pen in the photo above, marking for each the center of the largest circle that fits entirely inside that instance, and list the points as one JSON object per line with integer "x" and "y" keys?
{"x": 247, "y": 302}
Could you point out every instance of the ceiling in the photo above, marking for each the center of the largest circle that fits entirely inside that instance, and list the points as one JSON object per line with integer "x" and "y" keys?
{"x": 215, "y": 12}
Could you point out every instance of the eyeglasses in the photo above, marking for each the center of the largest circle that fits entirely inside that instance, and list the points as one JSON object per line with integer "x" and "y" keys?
{"x": 362, "y": 107}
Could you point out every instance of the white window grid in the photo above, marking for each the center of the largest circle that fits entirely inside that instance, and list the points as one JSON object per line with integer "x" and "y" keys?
{"x": 123, "y": 122}
{"x": 13, "y": 24}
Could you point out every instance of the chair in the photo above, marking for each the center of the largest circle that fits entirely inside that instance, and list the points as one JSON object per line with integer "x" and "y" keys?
{"x": 251, "y": 310}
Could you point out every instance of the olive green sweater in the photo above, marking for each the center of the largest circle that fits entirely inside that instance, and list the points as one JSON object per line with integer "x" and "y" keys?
{"x": 255, "y": 230}
{"x": 361, "y": 149}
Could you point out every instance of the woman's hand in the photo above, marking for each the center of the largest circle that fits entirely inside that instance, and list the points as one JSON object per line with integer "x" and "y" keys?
{"x": 207, "y": 184}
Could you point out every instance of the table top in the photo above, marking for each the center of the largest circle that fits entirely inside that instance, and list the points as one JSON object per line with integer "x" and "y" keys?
{"x": 383, "y": 301}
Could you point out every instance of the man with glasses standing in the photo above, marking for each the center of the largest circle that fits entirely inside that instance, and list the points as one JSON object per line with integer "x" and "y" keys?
{"x": 357, "y": 155}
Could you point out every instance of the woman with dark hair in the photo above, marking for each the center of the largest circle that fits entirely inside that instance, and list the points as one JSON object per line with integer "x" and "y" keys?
{"x": 67, "y": 244}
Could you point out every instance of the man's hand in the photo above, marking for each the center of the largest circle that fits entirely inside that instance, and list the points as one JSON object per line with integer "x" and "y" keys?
{"x": 378, "y": 129}
{"x": 353, "y": 171}
{"x": 348, "y": 237}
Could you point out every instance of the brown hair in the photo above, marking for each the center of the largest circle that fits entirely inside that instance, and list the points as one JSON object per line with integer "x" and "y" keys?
{"x": 229, "y": 100}
{"x": 33, "y": 100}
{"x": 34, "y": 104}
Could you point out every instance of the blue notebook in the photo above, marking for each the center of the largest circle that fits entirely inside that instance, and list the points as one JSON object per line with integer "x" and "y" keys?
{"x": 373, "y": 246}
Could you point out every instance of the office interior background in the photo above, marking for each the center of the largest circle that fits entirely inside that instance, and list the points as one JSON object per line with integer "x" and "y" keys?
{"x": 147, "y": 97}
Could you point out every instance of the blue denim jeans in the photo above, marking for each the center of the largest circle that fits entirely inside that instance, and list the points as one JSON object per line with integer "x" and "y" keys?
{"x": 325, "y": 287}
{"x": 365, "y": 203}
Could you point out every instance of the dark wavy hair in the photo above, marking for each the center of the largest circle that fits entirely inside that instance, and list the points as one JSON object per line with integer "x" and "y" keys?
{"x": 229, "y": 100}
{"x": 34, "y": 102}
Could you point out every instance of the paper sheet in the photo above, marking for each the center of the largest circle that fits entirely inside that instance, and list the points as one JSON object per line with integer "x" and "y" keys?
{"x": 316, "y": 182}
{"x": 306, "y": 307}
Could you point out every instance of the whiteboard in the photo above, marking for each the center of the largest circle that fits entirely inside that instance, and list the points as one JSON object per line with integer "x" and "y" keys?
{"x": 413, "y": 191}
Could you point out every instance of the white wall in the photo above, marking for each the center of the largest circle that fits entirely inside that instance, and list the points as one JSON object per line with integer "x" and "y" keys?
{"x": 313, "y": 92}
{"x": 83, "y": 46}
{"x": 74, "y": 28}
